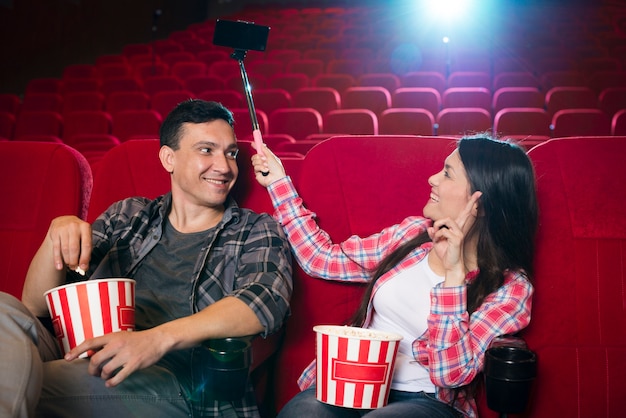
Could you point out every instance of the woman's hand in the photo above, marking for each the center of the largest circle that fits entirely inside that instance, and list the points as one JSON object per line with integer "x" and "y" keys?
{"x": 267, "y": 163}
{"x": 448, "y": 238}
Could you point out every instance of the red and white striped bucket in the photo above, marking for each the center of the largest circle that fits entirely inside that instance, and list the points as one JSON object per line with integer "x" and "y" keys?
{"x": 354, "y": 365}
{"x": 91, "y": 308}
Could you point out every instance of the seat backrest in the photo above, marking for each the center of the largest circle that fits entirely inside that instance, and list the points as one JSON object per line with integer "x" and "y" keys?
{"x": 309, "y": 66}
{"x": 7, "y": 125}
{"x": 517, "y": 97}
{"x": 136, "y": 123}
{"x": 322, "y": 99}
{"x": 389, "y": 80}
{"x": 515, "y": 79}
{"x": 618, "y": 123}
{"x": 406, "y": 121}
{"x": 469, "y": 79}
{"x": 463, "y": 120}
{"x": 288, "y": 81}
{"x": 297, "y": 122}
{"x": 351, "y": 122}
{"x": 336, "y": 181}
{"x": 432, "y": 79}
{"x": 198, "y": 84}
{"x": 126, "y": 100}
{"x": 339, "y": 82}
{"x": 186, "y": 69}
{"x": 271, "y": 99}
{"x": 426, "y": 98}
{"x": 578, "y": 329}
{"x": 466, "y": 97}
{"x": 40, "y": 181}
{"x": 522, "y": 121}
{"x": 86, "y": 100}
{"x": 38, "y": 123}
{"x": 578, "y": 122}
{"x": 164, "y": 101}
{"x": 612, "y": 99}
{"x": 559, "y": 98}
{"x": 156, "y": 83}
{"x": 374, "y": 98}
{"x": 35, "y": 102}
{"x": 85, "y": 122}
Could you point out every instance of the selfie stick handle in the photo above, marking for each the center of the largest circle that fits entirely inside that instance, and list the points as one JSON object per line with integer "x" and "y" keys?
{"x": 256, "y": 131}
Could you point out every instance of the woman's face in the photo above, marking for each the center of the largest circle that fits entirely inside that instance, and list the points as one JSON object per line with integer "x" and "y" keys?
{"x": 450, "y": 190}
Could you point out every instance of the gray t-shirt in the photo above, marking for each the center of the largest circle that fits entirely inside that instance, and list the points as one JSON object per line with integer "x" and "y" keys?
{"x": 164, "y": 284}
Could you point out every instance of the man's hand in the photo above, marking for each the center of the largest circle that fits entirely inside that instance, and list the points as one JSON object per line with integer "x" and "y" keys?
{"x": 119, "y": 354}
{"x": 71, "y": 242}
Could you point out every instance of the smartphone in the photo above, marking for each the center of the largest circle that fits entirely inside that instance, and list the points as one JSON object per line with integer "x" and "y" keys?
{"x": 241, "y": 35}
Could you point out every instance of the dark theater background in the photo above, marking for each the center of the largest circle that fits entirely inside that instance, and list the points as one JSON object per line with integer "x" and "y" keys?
{"x": 41, "y": 37}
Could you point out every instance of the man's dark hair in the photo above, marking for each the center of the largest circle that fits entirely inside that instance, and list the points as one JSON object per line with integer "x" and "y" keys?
{"x": 191, "y": 111}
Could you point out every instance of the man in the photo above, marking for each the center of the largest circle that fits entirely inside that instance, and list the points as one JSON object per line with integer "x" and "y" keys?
{"x": 204, "y": 269}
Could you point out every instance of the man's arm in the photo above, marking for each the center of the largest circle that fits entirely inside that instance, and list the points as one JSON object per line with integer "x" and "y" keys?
{"x": 121, "y": 353}
{"x": 67, "y": 244}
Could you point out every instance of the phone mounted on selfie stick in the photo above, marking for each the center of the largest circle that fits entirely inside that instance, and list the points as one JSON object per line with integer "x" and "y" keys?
{"x": 243, "y": 36}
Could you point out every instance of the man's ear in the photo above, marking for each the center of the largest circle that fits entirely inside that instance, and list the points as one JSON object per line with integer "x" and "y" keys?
{"x": 166, "y": 155}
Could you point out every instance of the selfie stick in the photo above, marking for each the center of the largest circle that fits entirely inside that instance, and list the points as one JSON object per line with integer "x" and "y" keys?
{"x": 239, "y": 55}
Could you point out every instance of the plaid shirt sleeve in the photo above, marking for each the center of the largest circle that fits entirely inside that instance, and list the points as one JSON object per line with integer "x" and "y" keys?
{"x": 353, "y": 259}
{"x": 454, "y": 345}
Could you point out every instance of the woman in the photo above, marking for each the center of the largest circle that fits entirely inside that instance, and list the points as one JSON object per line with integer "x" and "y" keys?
{"x": 449, "y": 282}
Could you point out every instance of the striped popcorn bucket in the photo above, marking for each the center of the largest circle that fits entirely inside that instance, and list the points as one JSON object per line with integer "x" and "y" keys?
{"x": 354, "y": 365}
{"x": 92, "y": 308}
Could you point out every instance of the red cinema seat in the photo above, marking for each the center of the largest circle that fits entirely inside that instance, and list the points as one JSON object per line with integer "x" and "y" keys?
{"x": 578, "y": 265}
{"x": 322, "y": 99}
{"x": 469, "y": 79}
{"x": 406, "y": 121}
{"x": 466, "y": 97}
{"x": 431, "y": 79}
{"x": 136, "y": 123}
{"x": 7, "y": 125}
{"x": 40, "y": 182}
{"x": 198, "y": 84}
{"x": 463, "y": 120}
{"x": 38, "y": 123}
{"x": 517, "y": 97}
{"x": 86, "y": 122}
{"x": 126, "y": 100}
{"x": 297, "y": 122}
{"x": 351, "y": 121}
{"x": 35, "y": 102}
{"x": 270, "y": 99}
{"x": 580, "y": 122}
{"x": 87, "y": 100}
{"x": 339, "y": 82}
{"x": 10, "y": 102}
{"x": 618, "y": 123}
{"x": 559, "y": 98}
{"x": 426, "y": 98}
{"x": 375, "y": 98}
{"x": 164, "y": 101}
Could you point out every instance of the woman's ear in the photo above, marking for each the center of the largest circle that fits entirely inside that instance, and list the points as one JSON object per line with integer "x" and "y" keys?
{"x": 166, "y": 155}
{"x": 476, "y": 207}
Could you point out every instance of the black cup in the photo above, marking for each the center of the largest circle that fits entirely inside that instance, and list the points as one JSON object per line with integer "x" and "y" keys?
{"x": 509, "y": 373}
{"x": 222, "y": 372}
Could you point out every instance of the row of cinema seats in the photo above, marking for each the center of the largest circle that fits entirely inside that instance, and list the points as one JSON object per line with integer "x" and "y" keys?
{"x": 578, "y": 329}
{"x": 297, "y": 129}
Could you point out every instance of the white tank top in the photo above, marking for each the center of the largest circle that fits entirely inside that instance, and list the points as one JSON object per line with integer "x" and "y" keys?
{"x": 402, "y": 306}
